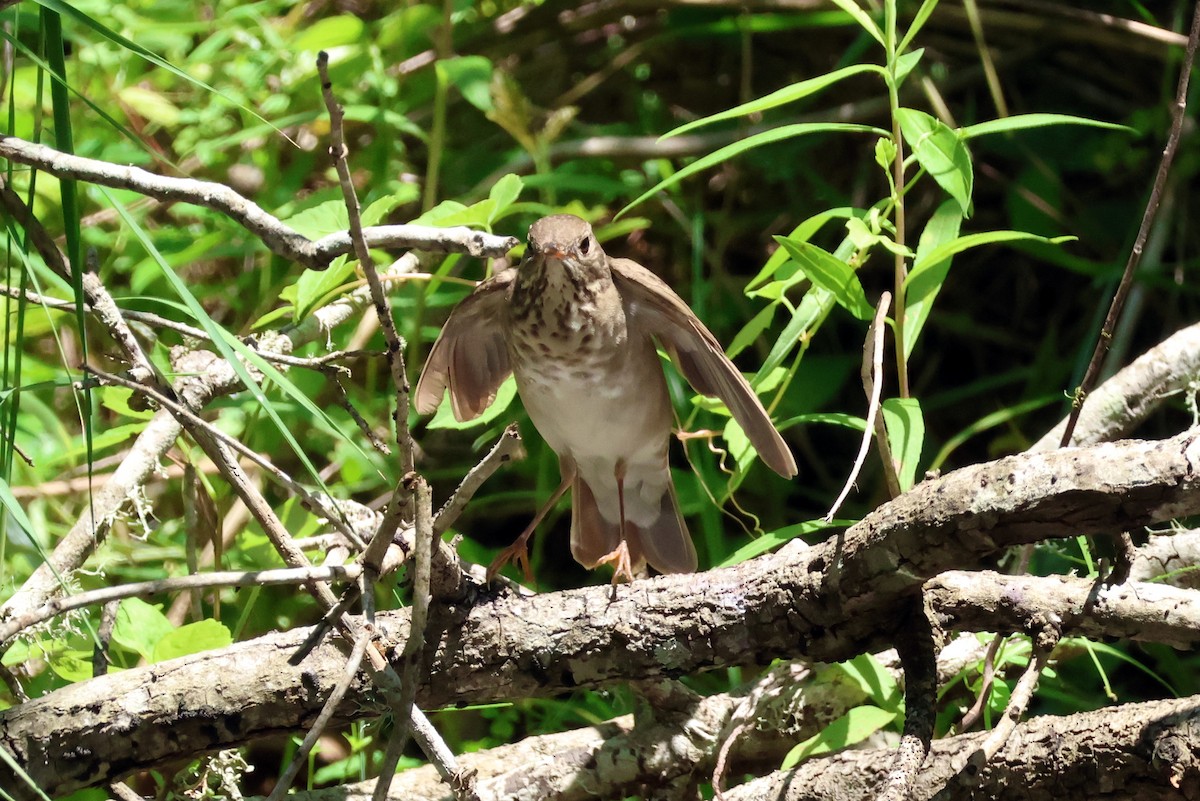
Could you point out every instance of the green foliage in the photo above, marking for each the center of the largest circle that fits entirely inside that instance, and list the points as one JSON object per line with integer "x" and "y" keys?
{"x": 808, "y": 146}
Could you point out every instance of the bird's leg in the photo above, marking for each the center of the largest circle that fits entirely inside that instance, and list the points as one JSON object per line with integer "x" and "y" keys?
{"x": 518, "y": 553}
{"x": 619, "y": 557}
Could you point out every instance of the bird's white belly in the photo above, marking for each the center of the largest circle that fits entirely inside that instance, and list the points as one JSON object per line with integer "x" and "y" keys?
{"x": 597, "y": 422}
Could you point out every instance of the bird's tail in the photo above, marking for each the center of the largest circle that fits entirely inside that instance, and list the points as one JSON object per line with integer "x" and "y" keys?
{"x": 663, "y": 542}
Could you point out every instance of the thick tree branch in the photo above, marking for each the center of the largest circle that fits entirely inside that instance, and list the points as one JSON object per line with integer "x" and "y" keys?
{"x": 776, "y": 606}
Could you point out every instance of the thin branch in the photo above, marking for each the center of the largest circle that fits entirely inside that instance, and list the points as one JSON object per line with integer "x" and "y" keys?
{"x": 300, "y": 758}
{"x": 143, "y": 589}
{"x": 1178, "y": 114}
{"x": 278, "y": 237}
{"x": 872, "y": 379}
{"x": 383, "y": 309}
{"x": 505, "y": 449}
{"x": 193, "y": 422}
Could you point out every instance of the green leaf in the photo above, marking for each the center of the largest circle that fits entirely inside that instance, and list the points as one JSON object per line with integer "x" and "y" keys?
{"x": 862, "y": 18}
{"x": 323, "y": 219}
{"x": 313, "y": 287}
{"x": 472, "y": 76}
{"x": 151, "y": 104}
{"x": 917, "y": 23}
{"x": 140, "y": 626}
{"x": 328, "y": 33}
{"x": 749, "y": 143}
{"x": 853, "y": 727}
{"x": 504, "y": 193}
{"x": 906, "y": 435}
{"x": 906, "y": 63}
{"x": 203, "y": 635}
{"x": 813, "y": 308}
{"x": 801, "y": 233}
{"x": 444, "y": 418}
{"x": 1022, "y": 122}
{"x": 71, "y": 664}
{"x": 378, "y": 210}
{"x": 773, "y": 539}
{"x": 831, "y": 274}
{"x": 752, "y": 330}
{"x": 780, "y": 97}
{"x": 875, "y": 681}
{"x": 941, "y": 152}
{"x": 959, "y": 244}
{"x": 920, "y": 294}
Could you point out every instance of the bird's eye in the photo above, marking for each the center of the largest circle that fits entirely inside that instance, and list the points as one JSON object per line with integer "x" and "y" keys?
{"x": 584, "y": 244}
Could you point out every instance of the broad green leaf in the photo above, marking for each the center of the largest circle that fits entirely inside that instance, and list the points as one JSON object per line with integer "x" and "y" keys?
{"x": 958, "y": 245}
{"x": 749, "y": 143}
{"x": 73, "y": 665}
{"x": 941, "y": 152}
{"x": 875, "y": 681}
{"x": 327, "y": 33}
{"x": 472, "y": 76}
{"x": 773, "y": 539}
{"x": 504, "y": 193}
{"x": 738, "y": 444}
{"x": 203, "y": 635}
{"x": 853, "y": 727}
{"x": 378, "y": 210}
{"x": 1022, "y": 122}
{"x": 449, "y": 213}
{"x": 906, "y": 435}
{"x": 832, "y": 418}
{"x": 320, "y": 220}
{"x": 313, "y": 287}
{"x": 831, "y": 274}
{"x": 444, "y": 418}
{"x": 140, "y": 626}
{"x": 862, "y": 18}
{"x": 780, "y": 97}
{"x": 920, "y": 294}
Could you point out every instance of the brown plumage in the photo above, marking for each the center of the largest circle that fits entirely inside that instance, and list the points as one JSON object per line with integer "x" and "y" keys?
{"x": 578, "y": 330}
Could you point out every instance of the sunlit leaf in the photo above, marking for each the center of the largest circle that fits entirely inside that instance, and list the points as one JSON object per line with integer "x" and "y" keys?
{"x": 831, "y": 274}
{"x": 940, "y": 150}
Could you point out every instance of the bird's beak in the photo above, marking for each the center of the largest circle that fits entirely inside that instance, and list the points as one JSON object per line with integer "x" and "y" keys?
{"x": 552, "y": 250}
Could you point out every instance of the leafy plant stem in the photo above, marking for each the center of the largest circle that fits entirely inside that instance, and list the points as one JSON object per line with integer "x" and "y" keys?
{"x": 437, "y": 132}
{"x": 901, "y": 270}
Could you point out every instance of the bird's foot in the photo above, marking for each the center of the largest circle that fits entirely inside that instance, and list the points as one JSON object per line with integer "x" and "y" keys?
{"x": 516, "y": 553}
{"x": 621, "y": 563}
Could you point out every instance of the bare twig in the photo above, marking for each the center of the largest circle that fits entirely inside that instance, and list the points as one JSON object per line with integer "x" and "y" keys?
{"x": 383, "y": 310}
{"x": 508, "y": 446}
{"x": 872, "y": 379}
{"x": 193, "y": 422}
{"x": 1178, "y": 113}
{"x": 300, "y": 758}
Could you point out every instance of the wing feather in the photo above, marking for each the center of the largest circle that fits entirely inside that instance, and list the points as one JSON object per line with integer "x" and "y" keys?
{"x": 654, "y": 305}
{"x": 469, "y": 357}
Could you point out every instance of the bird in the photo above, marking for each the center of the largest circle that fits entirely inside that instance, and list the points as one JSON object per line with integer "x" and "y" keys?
{"x": 578, "y": 330}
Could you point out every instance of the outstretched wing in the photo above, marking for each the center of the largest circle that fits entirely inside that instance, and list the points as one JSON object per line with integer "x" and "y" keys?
{"x": 469, "y": 356}
{"x": 655, "y": 306}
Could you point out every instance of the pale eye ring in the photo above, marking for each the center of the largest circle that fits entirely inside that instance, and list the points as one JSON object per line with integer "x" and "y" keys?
{"x": 585, "y": 244}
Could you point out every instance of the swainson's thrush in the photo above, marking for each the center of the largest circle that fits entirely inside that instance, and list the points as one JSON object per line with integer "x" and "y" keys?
{"x": 577, "y": 329}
